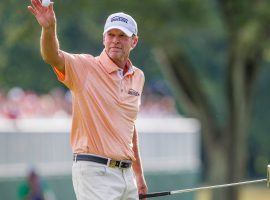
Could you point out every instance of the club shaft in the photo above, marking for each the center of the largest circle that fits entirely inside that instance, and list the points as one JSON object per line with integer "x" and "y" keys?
{"x": 218, "y": 186}
{"x": 156, "y": 194}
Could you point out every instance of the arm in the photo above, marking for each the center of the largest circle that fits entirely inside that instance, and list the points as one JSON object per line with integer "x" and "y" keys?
{"x": 49, "y": 44}
{"x": 137, "y": 166}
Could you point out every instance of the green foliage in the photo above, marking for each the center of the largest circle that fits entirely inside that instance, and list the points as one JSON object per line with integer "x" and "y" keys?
{"x": 80, "y": 27}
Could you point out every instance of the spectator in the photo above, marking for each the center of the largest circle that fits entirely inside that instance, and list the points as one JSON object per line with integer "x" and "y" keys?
{"x": 34, "y": 189}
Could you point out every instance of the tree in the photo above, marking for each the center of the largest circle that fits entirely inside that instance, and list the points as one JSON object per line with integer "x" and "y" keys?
{"x": 245, "y": 26}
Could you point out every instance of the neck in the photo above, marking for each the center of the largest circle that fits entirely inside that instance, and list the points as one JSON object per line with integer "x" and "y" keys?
{"x": 120, "y": 63}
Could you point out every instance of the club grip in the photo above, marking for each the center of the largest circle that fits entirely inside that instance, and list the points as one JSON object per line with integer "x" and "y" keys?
{"x": 155, "y": 194}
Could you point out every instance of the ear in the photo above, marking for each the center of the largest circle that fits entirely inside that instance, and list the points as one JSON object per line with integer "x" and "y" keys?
{"x": 135, "y": 40}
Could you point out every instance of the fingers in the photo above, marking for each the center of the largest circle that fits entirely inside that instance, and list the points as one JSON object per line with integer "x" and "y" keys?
{"x": 32, "y": 10}
{"x": 143, "y": 192}
{"x": 34, "y": 4}
{"x": 37, "y": 5}
{"x": 51, "y": 6}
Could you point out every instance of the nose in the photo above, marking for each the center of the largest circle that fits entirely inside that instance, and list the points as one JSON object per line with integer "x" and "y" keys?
{"x": 115, "y": 40}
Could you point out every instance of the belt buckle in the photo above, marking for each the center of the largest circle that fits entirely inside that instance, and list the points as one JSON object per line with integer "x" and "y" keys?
{"x": 112, "y": 163}
{"x": 119, "y": 164}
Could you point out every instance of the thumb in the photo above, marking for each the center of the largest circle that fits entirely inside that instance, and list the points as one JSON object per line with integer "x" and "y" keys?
{"x": 51, "y": 6}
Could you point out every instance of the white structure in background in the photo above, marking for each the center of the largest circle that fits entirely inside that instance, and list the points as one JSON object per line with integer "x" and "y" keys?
{"x": 165, "y": 144}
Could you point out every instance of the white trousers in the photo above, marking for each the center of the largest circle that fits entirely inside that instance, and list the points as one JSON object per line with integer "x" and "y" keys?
{"x": 94, "y": 181}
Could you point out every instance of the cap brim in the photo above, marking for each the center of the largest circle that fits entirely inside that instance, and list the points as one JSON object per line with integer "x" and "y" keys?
{"x": 125, "y": 30}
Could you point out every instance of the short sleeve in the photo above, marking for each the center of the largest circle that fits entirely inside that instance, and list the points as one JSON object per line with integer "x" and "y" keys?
{"x": 76, "y": 69}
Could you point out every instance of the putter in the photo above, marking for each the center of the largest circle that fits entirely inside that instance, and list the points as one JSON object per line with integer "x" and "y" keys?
{"x": 165, "y": 193}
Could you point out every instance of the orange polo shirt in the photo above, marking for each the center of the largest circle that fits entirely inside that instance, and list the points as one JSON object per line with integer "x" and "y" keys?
{"x": 105, "y": 104}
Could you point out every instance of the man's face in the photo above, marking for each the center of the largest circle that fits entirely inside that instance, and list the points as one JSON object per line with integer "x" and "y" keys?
{"x": 118, "y": 45}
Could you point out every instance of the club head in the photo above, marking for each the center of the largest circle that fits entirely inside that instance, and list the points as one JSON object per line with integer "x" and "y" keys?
{"x": 268, "y": 175}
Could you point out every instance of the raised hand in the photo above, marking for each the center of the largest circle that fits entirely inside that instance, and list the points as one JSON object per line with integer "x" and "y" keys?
{"x": 44, "y": 15}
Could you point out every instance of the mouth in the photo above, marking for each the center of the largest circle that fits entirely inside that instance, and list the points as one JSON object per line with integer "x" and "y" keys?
{"x": 115, "y": 48}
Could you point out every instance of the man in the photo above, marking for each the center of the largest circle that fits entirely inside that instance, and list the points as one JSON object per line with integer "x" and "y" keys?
{"x": 106, "y": 92}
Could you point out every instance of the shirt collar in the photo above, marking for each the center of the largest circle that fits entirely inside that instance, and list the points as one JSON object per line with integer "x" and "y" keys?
{"x": 110, "y": 66}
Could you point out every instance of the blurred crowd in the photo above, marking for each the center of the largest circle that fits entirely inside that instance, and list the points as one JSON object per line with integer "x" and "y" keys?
{"x": 18, "y": 103}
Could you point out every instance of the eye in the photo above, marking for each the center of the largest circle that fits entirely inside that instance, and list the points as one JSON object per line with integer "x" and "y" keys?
{"x": 110, "y": 34}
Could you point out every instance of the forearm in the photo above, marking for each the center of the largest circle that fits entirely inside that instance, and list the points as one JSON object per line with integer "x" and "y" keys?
{"x": 137, "y": 165}
{"x": 49, "y": 46}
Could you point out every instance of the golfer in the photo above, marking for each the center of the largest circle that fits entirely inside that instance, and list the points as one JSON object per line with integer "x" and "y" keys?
{"x": 106, "y": 93}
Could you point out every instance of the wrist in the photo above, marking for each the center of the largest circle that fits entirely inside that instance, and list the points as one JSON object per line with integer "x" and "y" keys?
{"x": 49, "y": 28}
{"x": 140, "y": 178}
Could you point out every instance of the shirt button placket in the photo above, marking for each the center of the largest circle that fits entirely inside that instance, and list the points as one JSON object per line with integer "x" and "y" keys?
{"x": 122, "y": 88}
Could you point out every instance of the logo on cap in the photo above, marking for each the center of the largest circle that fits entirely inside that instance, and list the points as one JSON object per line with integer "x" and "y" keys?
{"x": 118, "y": 18}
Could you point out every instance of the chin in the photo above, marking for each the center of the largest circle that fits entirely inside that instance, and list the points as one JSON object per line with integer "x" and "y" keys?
{"x": 114, "y": 55}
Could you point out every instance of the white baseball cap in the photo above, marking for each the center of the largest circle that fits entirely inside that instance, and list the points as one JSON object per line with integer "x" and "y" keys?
{"x": 121, "y": 21}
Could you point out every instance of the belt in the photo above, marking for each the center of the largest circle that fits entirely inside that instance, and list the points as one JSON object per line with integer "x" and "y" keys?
{"x": 123, "y": 164}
